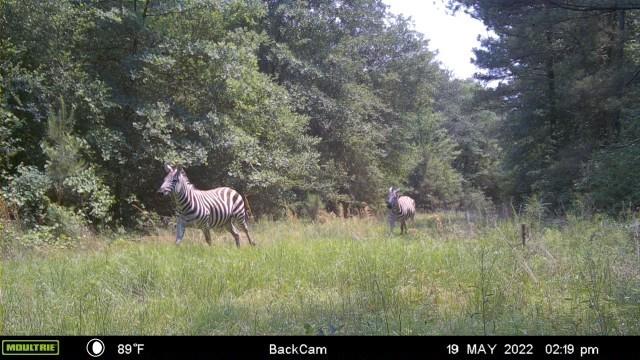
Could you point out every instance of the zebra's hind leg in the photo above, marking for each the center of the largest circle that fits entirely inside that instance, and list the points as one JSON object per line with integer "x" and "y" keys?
{"x": 403, "y": 227}
{"x": 207, "y": 235}
{"x": 245, "y": 229}
{"x": 236, "y": 235}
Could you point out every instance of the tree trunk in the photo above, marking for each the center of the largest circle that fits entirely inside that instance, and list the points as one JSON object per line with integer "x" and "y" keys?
{"x": 552, "y": 113}
{"x": 619, "y": 77}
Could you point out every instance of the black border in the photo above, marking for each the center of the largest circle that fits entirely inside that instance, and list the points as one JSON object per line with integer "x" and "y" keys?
{"x": 340, "y": 347}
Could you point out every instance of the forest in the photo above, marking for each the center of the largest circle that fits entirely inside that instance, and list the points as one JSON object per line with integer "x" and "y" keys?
{"x": 525, "y": 176}
{"x": 303, "y": 102}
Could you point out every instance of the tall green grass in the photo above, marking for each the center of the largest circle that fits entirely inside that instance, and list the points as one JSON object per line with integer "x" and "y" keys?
{"x": 341, "y": 277}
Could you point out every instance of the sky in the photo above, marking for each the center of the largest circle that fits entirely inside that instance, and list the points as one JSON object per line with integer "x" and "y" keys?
{"x": 453, "y": 37}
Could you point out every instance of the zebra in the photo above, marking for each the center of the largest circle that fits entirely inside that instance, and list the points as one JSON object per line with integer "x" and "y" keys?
{"x": 222, "y": 206}
{"x": 402, "y": 208}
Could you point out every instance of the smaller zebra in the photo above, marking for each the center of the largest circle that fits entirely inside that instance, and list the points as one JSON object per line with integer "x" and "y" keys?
{"x": 402, "y": 208}
{"x": 222, "y": 206}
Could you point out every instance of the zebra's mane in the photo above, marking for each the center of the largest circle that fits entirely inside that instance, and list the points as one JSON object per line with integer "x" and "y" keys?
{"x": 188, "y": 185}
{"x": 184, "y": 179}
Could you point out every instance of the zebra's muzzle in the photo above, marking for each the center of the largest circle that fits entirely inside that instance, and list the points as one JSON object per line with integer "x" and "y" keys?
{"x": 389, "y": 206}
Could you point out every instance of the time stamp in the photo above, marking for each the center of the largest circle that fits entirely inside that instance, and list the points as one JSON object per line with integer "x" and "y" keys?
{"x": 583, "y": 351}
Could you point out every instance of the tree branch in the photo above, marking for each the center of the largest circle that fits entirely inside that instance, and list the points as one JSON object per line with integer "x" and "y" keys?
{"x": 594, "y": 6}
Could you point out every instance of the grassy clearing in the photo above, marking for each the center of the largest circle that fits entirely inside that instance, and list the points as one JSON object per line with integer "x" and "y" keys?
{"x": 342, "y": 277}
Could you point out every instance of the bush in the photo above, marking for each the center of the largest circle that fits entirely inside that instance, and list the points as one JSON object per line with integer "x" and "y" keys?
{"x": 475, "y": 200}
{"x": 8, "y": 239}
{"x": 311, "y": 206}
{"x": 27, "y": 192}
{"x": 73, "y": 181}
{"x": 61, "y": 228}
{"x": 145, "y": 220}
{"x": 45, "y": 236}
{"x": 535, "y": 209}
{"x": 93, "y": 195}
{"x": 436, "y": 184}
{"x": 64, "y": 222}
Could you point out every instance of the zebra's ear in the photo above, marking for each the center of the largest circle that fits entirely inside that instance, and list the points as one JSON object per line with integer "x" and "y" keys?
{"x": 168, "y": 168}
{"x": 391, "y": 189}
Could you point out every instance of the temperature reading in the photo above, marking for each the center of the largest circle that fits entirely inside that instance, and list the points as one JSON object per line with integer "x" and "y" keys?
{"x": 126, "y": 349}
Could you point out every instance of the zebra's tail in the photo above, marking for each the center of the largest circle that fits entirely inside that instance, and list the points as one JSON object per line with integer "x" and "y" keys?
{"x": 248, "y": 213}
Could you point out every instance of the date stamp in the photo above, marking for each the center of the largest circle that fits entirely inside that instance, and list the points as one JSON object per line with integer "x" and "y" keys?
{"x": 519, "y": 349}
{"x": 490, "y": 349}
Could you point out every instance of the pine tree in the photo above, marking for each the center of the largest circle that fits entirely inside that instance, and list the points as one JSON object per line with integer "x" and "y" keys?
{"x": 63, "y": 150}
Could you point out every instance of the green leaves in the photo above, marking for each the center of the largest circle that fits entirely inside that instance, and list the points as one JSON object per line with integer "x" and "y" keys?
{"x": 277, "y": 99}
{"x": 26, "y": 191}
{"x": 62, "y": 149}
{"x": 204, "y": 103}
{"x": 95, "y": 198}
{"x": 356, "y": 71}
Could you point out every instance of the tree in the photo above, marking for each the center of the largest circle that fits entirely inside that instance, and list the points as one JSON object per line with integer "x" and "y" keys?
{"x": 566, "y": 73}
{"x": 284, "y": 100}
{"x": 359, "y": 73}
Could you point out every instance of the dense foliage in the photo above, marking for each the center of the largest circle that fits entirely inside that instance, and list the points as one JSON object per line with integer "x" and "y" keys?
{"x": 568, "y": 73}
{"x": 284, "y": 100}
{"x": 296, "y": 103}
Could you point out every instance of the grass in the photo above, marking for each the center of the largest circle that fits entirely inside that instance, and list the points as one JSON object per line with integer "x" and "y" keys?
{"x": 341, "y": 277}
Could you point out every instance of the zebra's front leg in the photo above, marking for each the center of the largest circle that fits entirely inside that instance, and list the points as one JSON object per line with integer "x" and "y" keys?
{"x": 236, "y": 235}
{"x": 207, "y": 235}
{"x": 403, "y": 227}
{"x": 180, "y": 228}
{"x": 392, "y": 223}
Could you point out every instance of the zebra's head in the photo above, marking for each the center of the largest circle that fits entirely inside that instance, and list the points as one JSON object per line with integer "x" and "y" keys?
{"x": 392, "y": 198}
{"x": 171, "y": 179}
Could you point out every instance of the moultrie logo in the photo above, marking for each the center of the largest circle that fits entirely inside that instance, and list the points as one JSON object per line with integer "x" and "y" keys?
{"x": 30, "y": 347}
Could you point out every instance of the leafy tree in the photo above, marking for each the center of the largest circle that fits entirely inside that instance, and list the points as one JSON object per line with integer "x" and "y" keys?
{"x": 359, "y": 73}
{"x": 474, "y": 125}
{"x": 286, "y": 101}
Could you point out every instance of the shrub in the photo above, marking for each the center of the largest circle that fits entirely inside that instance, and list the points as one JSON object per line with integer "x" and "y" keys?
{"x": 436, "y": 184}
{"x": 45, "y": 236}
{"x": 8, "y": 239}
{"x": 145, "y": 221}
{"x": 312, "y": 206}
{"x": 535, "y": 209}
{"x": 92, "y": 195}
{"x": 65, "y": 222}
{"x": 73, "y": 181}
{"x": 475, "y": 200}
{"x": 27, "y": 192}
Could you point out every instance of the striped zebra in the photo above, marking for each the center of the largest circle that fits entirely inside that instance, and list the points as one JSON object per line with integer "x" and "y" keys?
{"x": 402, "y": 209}
{"x": 205, "y": 209}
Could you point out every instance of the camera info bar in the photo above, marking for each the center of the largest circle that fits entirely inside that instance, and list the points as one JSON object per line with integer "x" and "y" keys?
{"x": 320, "y": 347}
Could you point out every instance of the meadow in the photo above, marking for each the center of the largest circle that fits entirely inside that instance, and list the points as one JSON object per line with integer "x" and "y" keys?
{"x": 574, "y": 276}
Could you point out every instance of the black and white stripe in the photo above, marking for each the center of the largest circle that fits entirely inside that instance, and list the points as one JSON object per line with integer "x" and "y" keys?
{"x": 206, "y": 209}
{"x": 402, "y": 208}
